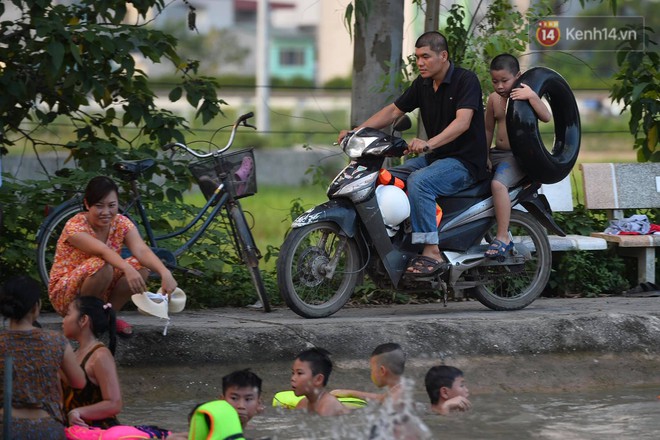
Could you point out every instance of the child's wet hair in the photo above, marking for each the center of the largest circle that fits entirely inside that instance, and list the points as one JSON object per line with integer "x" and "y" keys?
{"x": 102, "y": 317}
{"x": 391, "y": 356}
{"x": 241, "y": 379}
{"x": 319, "y": 362}
{"x": 18, "y": 295}
{"x": 506, "y": 62}
{"x": 438, "y": 377}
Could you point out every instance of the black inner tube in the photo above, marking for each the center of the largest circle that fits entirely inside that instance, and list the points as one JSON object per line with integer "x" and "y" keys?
{"x": 522, "y": 127}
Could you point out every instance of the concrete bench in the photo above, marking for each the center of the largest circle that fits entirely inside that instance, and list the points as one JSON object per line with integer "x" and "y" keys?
{"x": 614, "y": 187}
{"x": 560, "y": 196}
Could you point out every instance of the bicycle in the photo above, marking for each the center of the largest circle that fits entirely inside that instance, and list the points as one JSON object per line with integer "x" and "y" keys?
{"x": 223, "y": 179}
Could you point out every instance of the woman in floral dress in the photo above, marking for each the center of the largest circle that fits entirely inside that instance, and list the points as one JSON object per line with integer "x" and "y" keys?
{"x": 88, "y": 261}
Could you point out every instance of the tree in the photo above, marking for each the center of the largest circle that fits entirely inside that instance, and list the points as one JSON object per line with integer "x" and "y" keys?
{"x": 77, "y": 63}
{"x": 377, "y": 47}
{"x": 637, "y": 86}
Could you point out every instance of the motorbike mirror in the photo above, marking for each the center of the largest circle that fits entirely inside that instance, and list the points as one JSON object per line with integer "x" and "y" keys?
{"x": 402, "y": 123}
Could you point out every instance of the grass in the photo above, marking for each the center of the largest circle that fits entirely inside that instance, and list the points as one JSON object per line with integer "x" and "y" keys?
{"x": 268, "y": 212}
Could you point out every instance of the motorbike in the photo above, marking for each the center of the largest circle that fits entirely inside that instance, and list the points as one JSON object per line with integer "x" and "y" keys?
{"x": 332, "y": 246}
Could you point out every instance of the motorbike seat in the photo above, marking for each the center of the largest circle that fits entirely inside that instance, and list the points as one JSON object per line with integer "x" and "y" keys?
{"x": 479, "y": 189}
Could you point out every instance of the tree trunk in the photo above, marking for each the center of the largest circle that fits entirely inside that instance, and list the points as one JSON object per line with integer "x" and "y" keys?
{"x": 432, "y": 15}
{"x": 377, "y": 47}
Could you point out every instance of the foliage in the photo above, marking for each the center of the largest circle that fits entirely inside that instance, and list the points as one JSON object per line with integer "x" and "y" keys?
{"x": 592, "y": 273}
{"x": 83, "y": 54}
{"x": 586, "y": 273}
{"x": 637, "y": 86}
{"x": 354, "y": 9}
{"x": 77, "y": 63}
{"x": 339, "y": 83}
{"x": 502, "y": 28}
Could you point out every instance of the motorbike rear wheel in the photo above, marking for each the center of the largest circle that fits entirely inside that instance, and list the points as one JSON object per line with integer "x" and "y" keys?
{"x": 515, "y": 286}
{"x": 318, "y": 269}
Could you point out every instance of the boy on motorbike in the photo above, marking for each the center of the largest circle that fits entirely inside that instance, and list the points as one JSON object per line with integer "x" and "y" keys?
{"x": 504, "y": 70}
{"x": 449, "y": 99}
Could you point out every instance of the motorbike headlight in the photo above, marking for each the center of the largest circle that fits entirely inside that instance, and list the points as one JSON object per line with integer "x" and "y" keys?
{"x": 356, "y": 144}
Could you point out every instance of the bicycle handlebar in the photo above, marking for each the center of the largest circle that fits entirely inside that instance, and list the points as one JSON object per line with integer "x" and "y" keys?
{"x": 241, "y": 120}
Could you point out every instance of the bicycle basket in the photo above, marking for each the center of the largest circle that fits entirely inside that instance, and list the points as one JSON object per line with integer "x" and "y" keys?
{"x": 238, "y": 167}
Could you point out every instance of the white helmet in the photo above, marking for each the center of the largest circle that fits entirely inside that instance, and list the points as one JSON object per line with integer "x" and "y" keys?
{"x": 394, "y": 206}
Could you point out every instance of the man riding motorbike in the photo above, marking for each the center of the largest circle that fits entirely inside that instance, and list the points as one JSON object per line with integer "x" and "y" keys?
{"x": 451, "y": 108}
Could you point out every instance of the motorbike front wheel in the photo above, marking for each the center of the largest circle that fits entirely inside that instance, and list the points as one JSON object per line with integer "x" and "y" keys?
{"x": 318, "y": 269}
{"x": 523, "y": 276}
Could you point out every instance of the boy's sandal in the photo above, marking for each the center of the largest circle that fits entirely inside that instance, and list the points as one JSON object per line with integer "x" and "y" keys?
{"x": 422, "y": 266}
{"x": 498, "y": 248}
{"x": 124, "y": 329}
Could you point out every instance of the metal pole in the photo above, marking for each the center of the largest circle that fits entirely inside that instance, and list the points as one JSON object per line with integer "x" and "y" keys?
{"x": 6, "y": 426}
{"x": 263, "y": 66}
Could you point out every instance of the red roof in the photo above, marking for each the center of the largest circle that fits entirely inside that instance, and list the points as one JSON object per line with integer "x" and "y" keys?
{"x": 251, "y": 5}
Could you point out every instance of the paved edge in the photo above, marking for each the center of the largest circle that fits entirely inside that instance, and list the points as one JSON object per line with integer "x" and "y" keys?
{"x": 464, "y": 329}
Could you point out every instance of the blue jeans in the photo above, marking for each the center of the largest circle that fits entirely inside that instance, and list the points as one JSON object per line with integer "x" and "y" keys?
{"x": 425, "y": 183}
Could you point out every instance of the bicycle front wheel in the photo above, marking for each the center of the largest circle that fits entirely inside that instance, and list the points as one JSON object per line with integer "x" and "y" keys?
{"x": 248, "y": 252}
{"x": 49, "y": 232}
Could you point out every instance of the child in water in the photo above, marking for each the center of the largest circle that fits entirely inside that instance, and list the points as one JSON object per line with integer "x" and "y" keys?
{"x": 447, "y": 391}
{"x": 227, "y": 417}
{"x": 387, "y": 363}
{"x": 98, "y": 404}
{"x": 309, "y": 377}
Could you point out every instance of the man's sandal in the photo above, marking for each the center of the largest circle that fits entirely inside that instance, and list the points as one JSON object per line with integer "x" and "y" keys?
{"x": 500, "y": 249}
{"x": 422, "y": 266}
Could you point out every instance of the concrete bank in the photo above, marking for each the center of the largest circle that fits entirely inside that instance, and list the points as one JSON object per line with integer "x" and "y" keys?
{"x": 549, "y": 326}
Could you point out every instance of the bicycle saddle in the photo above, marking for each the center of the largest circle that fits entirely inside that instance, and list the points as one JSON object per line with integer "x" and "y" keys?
{"x": 130, "y": 169}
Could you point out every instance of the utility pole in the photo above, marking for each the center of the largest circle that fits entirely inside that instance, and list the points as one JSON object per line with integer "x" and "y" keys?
{"x": 263, "y": 66}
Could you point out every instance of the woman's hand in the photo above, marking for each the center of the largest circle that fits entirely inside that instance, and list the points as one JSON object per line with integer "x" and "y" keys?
{"x": 134, "y": 279}
{"x": 168, "y": 283}
{"x": 75, "y": 419}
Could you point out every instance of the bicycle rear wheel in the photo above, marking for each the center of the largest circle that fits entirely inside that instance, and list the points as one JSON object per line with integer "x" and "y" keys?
{"x": 248, "y": 251}
{"x": 49, "y": 233}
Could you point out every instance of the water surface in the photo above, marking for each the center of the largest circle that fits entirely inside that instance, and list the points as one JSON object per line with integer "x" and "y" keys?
{"x": 165, "y": 396}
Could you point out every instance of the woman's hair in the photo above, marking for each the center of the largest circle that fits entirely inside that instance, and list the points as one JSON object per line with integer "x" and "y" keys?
{"x": 18, "y": 295}
{"x": 98, "y": 188}
{"x": 102, "y": 318}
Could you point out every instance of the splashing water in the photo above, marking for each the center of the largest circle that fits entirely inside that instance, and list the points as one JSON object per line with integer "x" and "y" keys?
{"x": 396, "y": 418}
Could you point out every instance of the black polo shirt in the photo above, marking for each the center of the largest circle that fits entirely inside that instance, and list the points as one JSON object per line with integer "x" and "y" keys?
{"x": 459, "y": 89}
